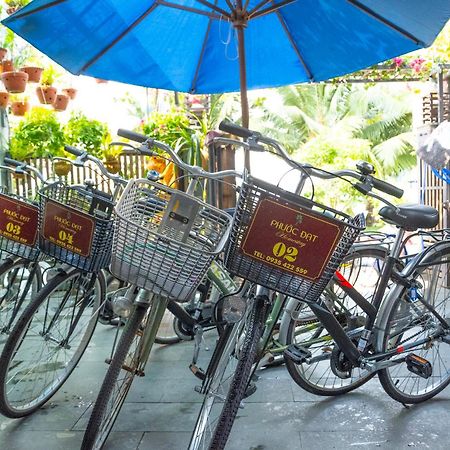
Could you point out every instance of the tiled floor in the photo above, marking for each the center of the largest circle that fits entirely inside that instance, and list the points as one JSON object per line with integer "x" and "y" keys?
{"x": 161, "y": 410}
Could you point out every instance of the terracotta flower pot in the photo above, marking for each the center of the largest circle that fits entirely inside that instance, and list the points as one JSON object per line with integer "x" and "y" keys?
{"x": 112, "y": 165}
{"x": 70, "y": 92}
{"x": 3, "y": 52}
{"x": 46, "y": 94}
{"x": 7, "y": 65}
{"x": 34, "y": 73}
{"x": 61, "y": 102}
{"x": 15, "y": 82}
{"x": 62, "y": 168}
{"x": 4, "y": 98}
{"x": 11, "y": 10}
{"x": 100, "y": 81}
{"x": 20, "y": 108}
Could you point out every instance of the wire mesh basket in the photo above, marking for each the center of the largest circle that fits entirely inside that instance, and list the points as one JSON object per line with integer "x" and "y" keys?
{"x": 76, "y": 226}
{"x": 287, "y": 243}
{"x": 165, "y": 240}
{"x": 19, "y": 226}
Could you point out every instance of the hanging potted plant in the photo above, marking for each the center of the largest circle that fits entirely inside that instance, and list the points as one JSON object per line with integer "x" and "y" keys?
{"x": 34, "y": 73}
{"x": 15, "y": 5}
{"x": 111, "y": 154}
{"x": 61, "y": 102}
{"x": 70, "y": 92}
{"x": 15, "y": 82}
{"x": 19, "y": 106}
{"x": 62, "y": 168}
{"x": 4, "y": 99}
{"x": 46, "y": 92}
{"x": 3, "y": 53}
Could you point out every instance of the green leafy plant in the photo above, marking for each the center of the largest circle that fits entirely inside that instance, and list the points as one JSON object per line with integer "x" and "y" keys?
{"x": 85, "y": 133}
{"x": 17, "y": 3}
{"x": 49, "y": 75}
{"x": 38, "y": 135}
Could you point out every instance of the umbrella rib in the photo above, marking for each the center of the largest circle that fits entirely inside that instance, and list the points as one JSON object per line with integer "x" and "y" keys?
{"x": 258, "y": 6}
{"x": 202, "y": 54}
{"x": 215, "y": 8}
{"x": 189, "y": 9}
{"x": 118, "y": 38}
{"x": 373, "y": 14}
{"x": 40, "y": 8}
{"x": 294, "y": 46}
{"x": 271, "y": 9}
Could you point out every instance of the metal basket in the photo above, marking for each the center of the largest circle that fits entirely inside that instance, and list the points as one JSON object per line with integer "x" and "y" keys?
{"x": 76, "y": 226}
{"x": 303, "y": 278}
{"x": 165, "y": 240}
{"x": 19, "y": 226}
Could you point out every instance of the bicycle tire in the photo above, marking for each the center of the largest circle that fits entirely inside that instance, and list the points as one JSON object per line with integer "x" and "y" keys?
{"x": 14, "y": 279}
{"x": 92, "y": 438}
{"x": 47, "y": 311}
{"x": 417, "y": 322}
{"x": 219, "y": 431}
{"x": 319, "y": 378}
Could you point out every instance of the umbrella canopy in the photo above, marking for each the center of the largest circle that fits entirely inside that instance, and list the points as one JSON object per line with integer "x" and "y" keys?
{"x": 198, "y": 46}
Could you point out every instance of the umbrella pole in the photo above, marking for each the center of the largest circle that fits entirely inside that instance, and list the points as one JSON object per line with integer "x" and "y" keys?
{"x": 243, "y": 84}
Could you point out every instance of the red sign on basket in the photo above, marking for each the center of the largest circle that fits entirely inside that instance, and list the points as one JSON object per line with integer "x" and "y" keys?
{"x": 68, "y": 229}
{"x": 18, "y": 221}
{"x": 291, "y": 238}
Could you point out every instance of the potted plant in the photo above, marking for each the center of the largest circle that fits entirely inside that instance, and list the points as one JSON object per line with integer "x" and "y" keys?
{"x": 61, "y": 102}
{"x": 70, "y": 92}
{"x": 85, "y": 133}
{"x": 14, "y": 5}
{"x": 38, "y": 135}
{"x": 4, "y": 99}
{"x": 34, "y": 73}
{"x": 19, "y": 106}
{"x": 111, "y": 154}
{"x": 62, "y": 168}
{"x": 15, "y": 82}
{"x": 46, "y": 92}
{"x": 3, "y": 53}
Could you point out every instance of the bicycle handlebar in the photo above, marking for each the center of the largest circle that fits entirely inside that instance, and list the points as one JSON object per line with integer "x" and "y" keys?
{"x": 254, "y": 138}
{"x": 21, "y": 167}
{"x": 195, "y": 171}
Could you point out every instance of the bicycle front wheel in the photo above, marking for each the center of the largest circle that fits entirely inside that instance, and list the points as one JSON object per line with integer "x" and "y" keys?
{"x": 20, "y": 280}
{"x": 48, "y": 341}
{"x": 410, "y": 323}
{"x": 119, "y": 377}
{"x": 229, "y": 382}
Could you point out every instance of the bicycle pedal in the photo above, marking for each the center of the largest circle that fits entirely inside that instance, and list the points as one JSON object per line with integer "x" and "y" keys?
{"x": 297, "y": 353}
{"x": 199, "y": 373}
{"x": 419, "y": 366}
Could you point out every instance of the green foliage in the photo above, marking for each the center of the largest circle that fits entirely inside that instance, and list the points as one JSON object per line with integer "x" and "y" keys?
{"x": 38, "y": 135}
{"x": 17, "y": 3}
{"x": 49, "y": 75}
{"x": 87, "y": 134}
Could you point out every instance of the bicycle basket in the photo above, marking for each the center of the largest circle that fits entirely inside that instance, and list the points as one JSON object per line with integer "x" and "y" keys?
{"x": 164, "y": 239}
{"x": 19, "y": 226}
{"x": 286, "y": 242}
{"x": 76, "y": 226}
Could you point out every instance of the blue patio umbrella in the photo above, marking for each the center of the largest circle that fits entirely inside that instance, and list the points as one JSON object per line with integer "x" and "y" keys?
{"x": 198, "y": 46}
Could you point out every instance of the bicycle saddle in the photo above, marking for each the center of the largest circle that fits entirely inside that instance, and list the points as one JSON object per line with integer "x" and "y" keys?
{"x": 410, "y": 217}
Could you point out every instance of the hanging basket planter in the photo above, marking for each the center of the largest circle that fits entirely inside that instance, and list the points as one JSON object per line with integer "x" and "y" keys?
{"x": 62, "y": 168}
{"x": 3, "y": 52}
{"x": 7, "y": 65}
{"x": 70, "y": 92}
{"x": 4, "y": 99}
{"x": 20, "y": 108}
{"x": 15, "y": 82}
{"x": 61, "y": 102}
{"x": 46, "y": 94}
{"x": 34, "y": 73}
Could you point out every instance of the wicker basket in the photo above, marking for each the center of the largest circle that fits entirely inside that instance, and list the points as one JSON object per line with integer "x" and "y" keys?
{"x": 76, "y": 226}
{"x": 165, "y": 240}
{"x": 19, "y": 226}
{"x": 286, "y": 242}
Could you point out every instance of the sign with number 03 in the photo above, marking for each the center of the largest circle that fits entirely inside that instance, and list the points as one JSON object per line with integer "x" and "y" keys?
{"x": 18, "y": 221}
{"x": 292, "y": 238}
{"x": 67, "y": 228}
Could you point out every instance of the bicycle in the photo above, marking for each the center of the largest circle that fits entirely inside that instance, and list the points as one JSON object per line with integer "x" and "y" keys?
{"x": 379, "y": 346}
{"x": 49, "y": 338}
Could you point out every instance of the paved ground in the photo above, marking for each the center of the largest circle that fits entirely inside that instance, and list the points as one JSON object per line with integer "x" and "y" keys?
{"x": 161, "y": 410}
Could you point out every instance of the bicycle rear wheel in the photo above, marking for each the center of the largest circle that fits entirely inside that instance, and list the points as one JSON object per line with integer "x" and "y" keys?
{"x": 20, "y": 280}
{"x": 362, "y": 269}
{"x": 48, "y": 341}
{"x": 411, "y": 323}
{"x": 229, "y": 381}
